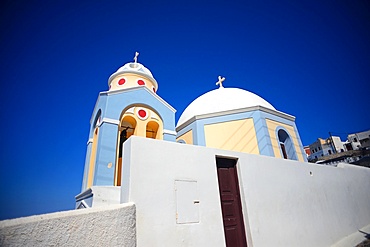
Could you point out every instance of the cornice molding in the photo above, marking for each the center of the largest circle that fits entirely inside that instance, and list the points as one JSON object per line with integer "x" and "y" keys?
{"x": 236, "y": 111}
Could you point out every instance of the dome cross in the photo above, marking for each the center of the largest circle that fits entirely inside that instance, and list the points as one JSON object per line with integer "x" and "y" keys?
{"x": 220, "y": 80}
{"x": 135, "y": 58}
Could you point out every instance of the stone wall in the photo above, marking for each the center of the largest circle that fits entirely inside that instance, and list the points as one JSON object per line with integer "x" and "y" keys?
{"x": 112, "y": 225}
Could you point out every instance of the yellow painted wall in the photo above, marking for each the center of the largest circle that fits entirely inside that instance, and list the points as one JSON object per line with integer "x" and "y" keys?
{"x": 272, "y": 125}
{"x": 238, "y": 135}
{"x": 187, "y": 137}
{"x": 142, "y": 125}
{"x": 90, "y": 177}
{"x": 130, "y": 81}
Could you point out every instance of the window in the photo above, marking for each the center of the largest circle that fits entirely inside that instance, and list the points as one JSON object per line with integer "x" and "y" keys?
{"x": 329, "y": 151}
{"x": 286, "y": 145}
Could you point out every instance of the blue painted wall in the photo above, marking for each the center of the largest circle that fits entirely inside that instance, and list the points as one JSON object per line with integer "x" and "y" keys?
{"x": 260, "y": 125}
{"x": 109, "y": 107}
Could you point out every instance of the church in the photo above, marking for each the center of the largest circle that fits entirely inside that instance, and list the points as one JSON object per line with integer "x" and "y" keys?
{"x": 231, "y": 172}
{"x": 225, "y": 118}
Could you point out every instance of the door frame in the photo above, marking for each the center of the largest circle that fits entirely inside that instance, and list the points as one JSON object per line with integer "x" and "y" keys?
{"x": 229, "y": 162}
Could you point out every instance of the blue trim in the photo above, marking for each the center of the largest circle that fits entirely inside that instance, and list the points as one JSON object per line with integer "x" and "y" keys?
{"x": 87, "y": 166}
{"x": 291, "y": 123}
{"x": 304, "y": 156}
{"x": 263, "y": 136}
{"x": 264, "y": 140}
{"x": 289, "y": 145}
{"x": 111, "y": 106}
{"x": 200, "y": 138}
{"x": 276, "y": 118}
{"x": 105, "y": 154}
{"x": 186, "y": 129}
{"x": 169, "y": 137}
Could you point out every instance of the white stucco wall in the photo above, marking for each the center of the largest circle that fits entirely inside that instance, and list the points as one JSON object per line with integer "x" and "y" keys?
{"x": 150, "y": 169}
{"x": 101, "y": 226}
{"x": 285, "y": 203}
{"x": 338, "y": 144}
{"x": 97, "y": 196}
{"x": 303, "y": 204}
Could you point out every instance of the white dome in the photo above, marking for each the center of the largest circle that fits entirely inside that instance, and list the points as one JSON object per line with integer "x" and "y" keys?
{"x": 135, "y": 68}
{"x": 222, "y": 99}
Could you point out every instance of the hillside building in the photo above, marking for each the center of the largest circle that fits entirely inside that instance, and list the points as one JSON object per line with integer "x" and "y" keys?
{"x": 332, "y": 151}
{"x": 360, "y": 140}
{"x": 325, "y": 147}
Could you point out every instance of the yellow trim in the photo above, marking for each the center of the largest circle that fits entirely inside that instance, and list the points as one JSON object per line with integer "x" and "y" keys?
{"x": 237, "y": 135}
{"x": 272, "y": 125}
{"x": 131, "y": 81}
{"x": 187, "y": 137}
{"x": 118, "y": 173}
{"x": 90, "y": 177}
{"x": 127, "y": 120}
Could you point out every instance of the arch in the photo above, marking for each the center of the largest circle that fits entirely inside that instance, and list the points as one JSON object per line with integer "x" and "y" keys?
{"x": 127, "y": 123}
{"x": 126, "y": 129}
{"x": 152, "y": 128}
{"x": 286, "y": 144}
{"x": 97, "y": 120}
{"x": 138, "y": 120}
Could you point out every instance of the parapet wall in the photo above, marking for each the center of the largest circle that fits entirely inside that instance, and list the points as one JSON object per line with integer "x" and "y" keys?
{"x": 113, "y": 225}
{"x": 284, "y": 202}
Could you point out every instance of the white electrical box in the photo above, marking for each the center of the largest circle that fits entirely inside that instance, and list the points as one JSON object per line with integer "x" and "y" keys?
{"x": 187, "y": 202}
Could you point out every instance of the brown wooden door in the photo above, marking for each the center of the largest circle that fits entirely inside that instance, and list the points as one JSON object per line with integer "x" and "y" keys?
{"x": 230, "y": 203}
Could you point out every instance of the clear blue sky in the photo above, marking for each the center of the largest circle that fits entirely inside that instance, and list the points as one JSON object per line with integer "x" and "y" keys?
{"x": 310, "y": 59}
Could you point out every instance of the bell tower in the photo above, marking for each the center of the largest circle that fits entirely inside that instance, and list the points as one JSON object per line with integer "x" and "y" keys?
{"x": 131, "y": 106}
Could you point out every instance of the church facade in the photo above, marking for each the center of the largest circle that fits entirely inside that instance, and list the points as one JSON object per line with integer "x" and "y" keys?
{"x": 238, "y": 120}
{"x": 230, "y": 173}
{"x": 225, "y": 118}
{"x": 130, "y": 107}
{"x": 232, "y": 168}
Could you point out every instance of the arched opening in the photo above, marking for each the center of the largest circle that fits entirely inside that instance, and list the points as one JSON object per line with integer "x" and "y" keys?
{"x": 152, "y": 130}
{"x": 126, "y": 129}
{"x": 286, "y": 145}
{"x": 136, "y": 120}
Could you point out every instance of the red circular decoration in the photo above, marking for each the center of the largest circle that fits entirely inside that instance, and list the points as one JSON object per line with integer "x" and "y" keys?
{"x": 121, "y": 81}
{"x": 153, "y": 89}
{"x": 141, "y": 82}
{"x": 141, "y": 113}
